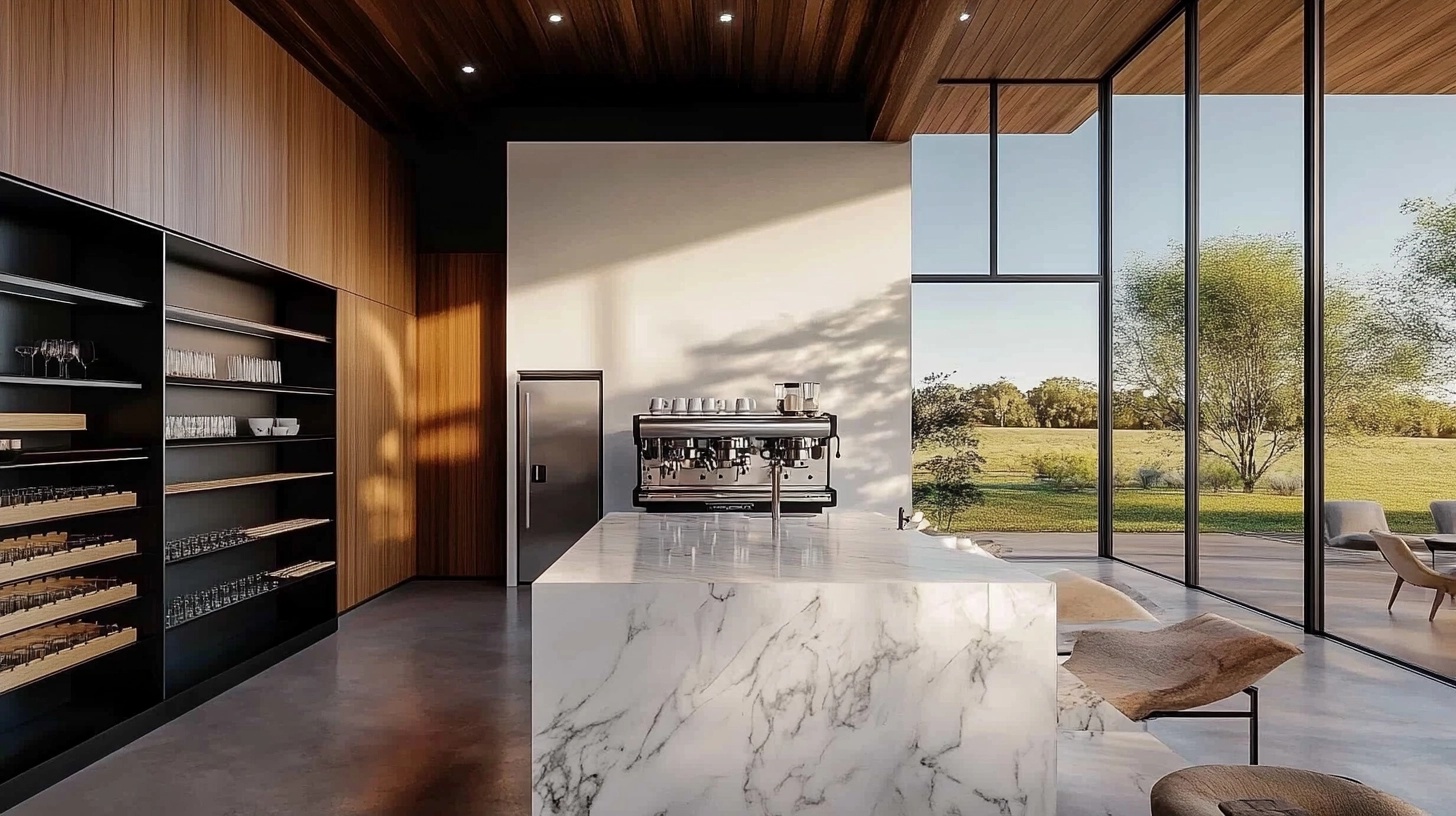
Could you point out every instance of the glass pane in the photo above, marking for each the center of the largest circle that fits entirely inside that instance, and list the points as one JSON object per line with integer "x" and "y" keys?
{"x": 1006, "y": 389}
{"x": 1251, "y": 303}
{"x": 1390, "y": 325}
{"x": 1148, "y": 262}
{"x": 950, "y": 185}
{"x": 1047, "y": 181}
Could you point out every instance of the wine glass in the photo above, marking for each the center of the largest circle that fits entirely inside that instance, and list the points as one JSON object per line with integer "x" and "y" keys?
{"x": 29, "y": 351}
{"x": 70, "y": 353}
{"x": 50, "y": 350}
{"x": 86, "y": 356}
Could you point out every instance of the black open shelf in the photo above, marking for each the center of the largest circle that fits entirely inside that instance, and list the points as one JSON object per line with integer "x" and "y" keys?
{"x": 238, "y": 385}
{"x": 38, "y": 289}
{"x": 70, "y": 270}
{"x": 74, "y": 382}
{"x": 280, "y": 586}
{"x": 70, "y": 456}
{"x": 213, "y": 441}
{"x": 237, "y": 325}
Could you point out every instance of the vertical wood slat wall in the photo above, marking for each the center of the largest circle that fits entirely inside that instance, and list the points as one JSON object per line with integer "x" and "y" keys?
{"x": 462, "y": 413}
{"x": 184, "y": 113}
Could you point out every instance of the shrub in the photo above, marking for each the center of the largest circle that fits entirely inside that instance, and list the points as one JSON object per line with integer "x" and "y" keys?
{"x": 1151, "y": 476}
{"x": 1216, "y": 475}
{"x": 1285, "y": 484}
{"x": 1066, "y": 470}
{"x": 1174, "y": 479}
{"x": 1123, "y": 476}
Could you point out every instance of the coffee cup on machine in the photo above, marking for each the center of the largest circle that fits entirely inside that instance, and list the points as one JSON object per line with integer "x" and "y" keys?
{"x": 695, "y": 405}
{"x": 742, "y": 405}
{"x": 658, "y": 405}
{"x": 679, "y": 405}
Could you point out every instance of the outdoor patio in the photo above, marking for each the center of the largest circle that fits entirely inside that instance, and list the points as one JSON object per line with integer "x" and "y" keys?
{"x": 1268, "y": 573}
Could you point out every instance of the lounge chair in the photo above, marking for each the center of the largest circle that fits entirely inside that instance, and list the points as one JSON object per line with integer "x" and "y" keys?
{"x": 1409, "y": 570}
{"x": 1348, "y": 525}
{"x": 1444, "y": 512}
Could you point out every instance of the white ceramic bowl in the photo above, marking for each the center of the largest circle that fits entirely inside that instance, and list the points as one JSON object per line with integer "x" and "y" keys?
{"x": 285, "y": 422}
{"x": 260, "y": 426}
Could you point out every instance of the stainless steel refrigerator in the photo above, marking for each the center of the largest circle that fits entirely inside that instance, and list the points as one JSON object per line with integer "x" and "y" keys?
{"x": 558, "y": 465}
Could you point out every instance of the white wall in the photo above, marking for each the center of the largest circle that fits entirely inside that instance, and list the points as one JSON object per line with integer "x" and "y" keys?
{"x": 718, "y": 269}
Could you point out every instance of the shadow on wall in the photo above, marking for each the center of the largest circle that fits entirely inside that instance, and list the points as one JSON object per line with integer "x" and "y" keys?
{"x": 610, "y": 205}
{"x": 861, "y": 356}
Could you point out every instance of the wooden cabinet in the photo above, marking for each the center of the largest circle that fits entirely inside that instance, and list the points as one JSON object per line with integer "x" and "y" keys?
{"x": 226, "y": 162}
{"x": 376, "y": 416}
{"x": 138, "y": 156}
{"x": 56, "y": 95}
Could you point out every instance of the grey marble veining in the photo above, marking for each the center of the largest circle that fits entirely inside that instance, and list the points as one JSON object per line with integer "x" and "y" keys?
{"x": 838, "y": 547}
{"x": 697, "y": 665}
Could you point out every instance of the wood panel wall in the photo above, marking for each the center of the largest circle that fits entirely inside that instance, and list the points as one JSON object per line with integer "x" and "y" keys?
{"x": 376, "y": 483}
{"x": 185, "y": 114}
{"x": 462, "y": 413}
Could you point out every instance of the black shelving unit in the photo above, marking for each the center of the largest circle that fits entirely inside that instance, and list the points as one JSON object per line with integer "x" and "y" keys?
{"x": 70, "y": 270}
{"x": 224, "y": 304}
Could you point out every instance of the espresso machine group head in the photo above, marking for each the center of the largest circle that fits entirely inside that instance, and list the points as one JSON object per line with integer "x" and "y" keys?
{"x": 722, "y": 461}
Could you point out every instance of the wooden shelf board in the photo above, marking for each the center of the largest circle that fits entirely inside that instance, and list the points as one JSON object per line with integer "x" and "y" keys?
{"x": 71, "y": 559}
{"x": 44, "y": 511}
{"x": 39, "y": 289}
{"x": 28, "y": 423}
{"x": 237, "y": 325}
{"x": 69, "y": 608}
{"x": 69, "y": 659}
{"x": 236, "y": 385}
{"x": 241, "y": 481}
{"x": 13, "y": 379}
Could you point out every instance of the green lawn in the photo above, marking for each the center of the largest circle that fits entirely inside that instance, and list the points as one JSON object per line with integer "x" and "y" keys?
{"x": 1403, "y": 474}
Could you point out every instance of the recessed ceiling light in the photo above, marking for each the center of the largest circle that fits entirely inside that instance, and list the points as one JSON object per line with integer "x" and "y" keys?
{"x": 725, "y": 17}
{"x": 965, "y": 15}
{"x": 555, "y": 18}
{"x": 469, "y": 69}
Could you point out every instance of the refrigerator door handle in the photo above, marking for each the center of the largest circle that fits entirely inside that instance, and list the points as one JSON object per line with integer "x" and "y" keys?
{"x": 527, "y": 455}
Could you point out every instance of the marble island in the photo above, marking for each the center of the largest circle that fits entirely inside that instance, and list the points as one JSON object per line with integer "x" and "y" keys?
{"x": 696, "y": 664}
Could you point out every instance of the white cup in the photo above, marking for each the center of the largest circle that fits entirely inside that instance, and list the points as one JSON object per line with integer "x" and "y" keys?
{"x": 285, "y": 422}
{"x": 741, "y": 406}
{"x": 679, "y": 405}
{"x": 260, "y": 426}
{"x": 695, "y": 405}
{"x": 658, "y": 405}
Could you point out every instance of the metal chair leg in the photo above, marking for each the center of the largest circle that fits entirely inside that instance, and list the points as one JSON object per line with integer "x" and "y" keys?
{"x": 1440, "y": 596}
{"x": 1253, "y": 692}
{"x": 1399, "y": 582}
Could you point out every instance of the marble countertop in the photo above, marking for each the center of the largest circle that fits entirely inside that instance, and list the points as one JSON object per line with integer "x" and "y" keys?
{"x": 836, "y": 547}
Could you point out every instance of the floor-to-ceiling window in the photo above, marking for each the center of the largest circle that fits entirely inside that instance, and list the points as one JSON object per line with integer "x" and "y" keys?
{"x": 1250, "y": 277}
{"x": 1149, "y": 229}
{"x": 1005, "y": 320}
{"x": 1390, "y": 324}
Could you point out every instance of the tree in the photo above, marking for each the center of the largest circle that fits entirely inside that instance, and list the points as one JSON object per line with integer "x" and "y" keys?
{"x": 942, "y": 416}
{"x": 1251, "y": 347}
{"x": 1001, "y": 403}
{"x": 1064, "y": 402}
{"x": 1423, "y": 292}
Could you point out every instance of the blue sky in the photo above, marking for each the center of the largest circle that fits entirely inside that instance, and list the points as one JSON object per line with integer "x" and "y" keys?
{"x": 1380, "y": 150}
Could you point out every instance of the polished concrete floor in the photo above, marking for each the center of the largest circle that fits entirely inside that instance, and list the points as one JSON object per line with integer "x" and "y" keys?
{"x": 421, "y": 705}
{"x": 1268, "y": 572}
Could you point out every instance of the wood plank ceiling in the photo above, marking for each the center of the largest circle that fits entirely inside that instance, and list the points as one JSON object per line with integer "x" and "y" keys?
{"x": 398, "y": 63}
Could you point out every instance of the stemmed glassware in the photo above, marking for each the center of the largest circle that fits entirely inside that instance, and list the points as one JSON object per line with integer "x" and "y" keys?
{"x": 196, "y": 604}
{"x": 28, "y": 350}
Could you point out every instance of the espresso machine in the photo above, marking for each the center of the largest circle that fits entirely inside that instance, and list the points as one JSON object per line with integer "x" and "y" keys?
{"x": 711, "y": 455}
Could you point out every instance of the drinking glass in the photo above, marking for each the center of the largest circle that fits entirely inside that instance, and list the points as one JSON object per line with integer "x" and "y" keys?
{"x": 29, "y": 351}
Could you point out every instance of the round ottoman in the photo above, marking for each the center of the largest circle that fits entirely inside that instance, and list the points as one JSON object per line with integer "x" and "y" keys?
{"x": 1197, "y": 791}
